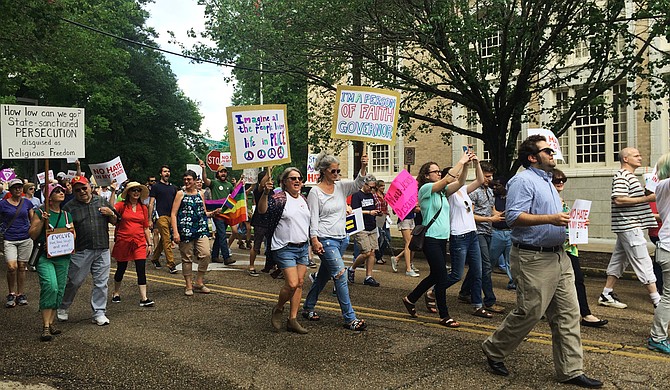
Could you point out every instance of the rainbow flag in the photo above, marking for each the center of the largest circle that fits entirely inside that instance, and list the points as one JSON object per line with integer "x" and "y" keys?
{"x": 234, "y": 206}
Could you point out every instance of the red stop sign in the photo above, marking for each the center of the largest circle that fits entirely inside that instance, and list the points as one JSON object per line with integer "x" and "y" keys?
{"x": 214, "y": 160}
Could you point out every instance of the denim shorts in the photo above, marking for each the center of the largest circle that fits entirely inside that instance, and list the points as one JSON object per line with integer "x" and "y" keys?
{"x": 290, "y": 256}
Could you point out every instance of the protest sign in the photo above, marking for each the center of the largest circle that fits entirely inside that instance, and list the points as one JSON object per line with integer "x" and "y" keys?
{"x": 41, "y": 132}
{"x": 650, "y": 180}
{"x": 354, "y": 221}
{"x": 578, "y": 230}
{"x": 258, "y": 135}
{"x": 59, "y": 242}
{"x": 195, "y": 168}
{"x": 216, "y": 158}
{"x": 552, "y": 140}
{"x": 312, "y": 172}
{"x": 40, "y": 176}
{"x": 72, "y": 173}
{"x": 7, "y": 174}
{"x": 403, "y": 194}
{"x": 366, "y": 114}
{"x": 250, "y": 176}
{"x": 105, "y": 173}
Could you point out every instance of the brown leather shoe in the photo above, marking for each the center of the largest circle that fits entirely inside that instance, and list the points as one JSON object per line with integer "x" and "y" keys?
{"x": 276, "y": 317}
{"x": 294, "y": 326}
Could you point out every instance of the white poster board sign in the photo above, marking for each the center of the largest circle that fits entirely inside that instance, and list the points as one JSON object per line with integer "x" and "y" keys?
{"x": 552, "y": 140}
{"x": 312, "y": 172}
{"x": 40, "y": 176}
{"x": 578, "y": 230}
{"x": 250, "y": 175}
{"x": 651, "y": 180}
{"x": 38, "y": 132}
{"x": 354, "y": 222}
{"x": 195, "y": 168}
{"x": 60, "y": 243}
{"x": 366, "y": 114}
{"x": 105, "y": 173}
{"x": 72, "y": 173}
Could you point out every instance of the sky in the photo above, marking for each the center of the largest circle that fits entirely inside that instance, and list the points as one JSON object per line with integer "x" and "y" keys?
{"x": 203, "y": 83}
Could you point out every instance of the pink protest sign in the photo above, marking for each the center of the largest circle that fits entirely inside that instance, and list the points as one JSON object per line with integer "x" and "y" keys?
{"x": 403, "y": 194}
{"x": 7, "y": 174}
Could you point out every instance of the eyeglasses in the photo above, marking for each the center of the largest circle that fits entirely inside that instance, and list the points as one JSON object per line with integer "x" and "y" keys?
{"x": 549, "y": 151}
{"x": 16, "y": 188}
{"x": 435, "y": 171}
{"x": 136, "y": 189}
{"x": 295, "y": 178}
{"x": 467, "y": 206}
{"x": 80, "y": 189}
{"x": 560, "y": 180}
{"x": 335, "y": 171}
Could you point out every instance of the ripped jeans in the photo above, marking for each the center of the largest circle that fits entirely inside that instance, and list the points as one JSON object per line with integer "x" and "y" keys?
{"x": 332, "y": 267}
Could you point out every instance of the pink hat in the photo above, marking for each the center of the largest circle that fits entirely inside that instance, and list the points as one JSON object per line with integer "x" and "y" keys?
{"x": 54, "y": 186}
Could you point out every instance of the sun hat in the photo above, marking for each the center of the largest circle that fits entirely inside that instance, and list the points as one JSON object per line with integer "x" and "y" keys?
{"x": 143, "y": 195}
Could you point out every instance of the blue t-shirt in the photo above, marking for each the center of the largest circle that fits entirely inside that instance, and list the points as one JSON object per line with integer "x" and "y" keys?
{"x": 164, "y": 195}
{"x": 430, "y": 202}
{"x": 18, "y": 230}
{"x": 366, "y": 202}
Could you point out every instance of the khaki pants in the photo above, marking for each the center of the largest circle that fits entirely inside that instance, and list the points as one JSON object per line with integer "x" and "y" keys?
{"x": 163, "y": 227}
{"x": 545, "y": 284}
{"x": 194, "y": 250}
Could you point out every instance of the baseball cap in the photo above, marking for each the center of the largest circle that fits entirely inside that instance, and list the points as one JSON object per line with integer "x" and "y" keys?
{"x": 78, "y": 180}
{"x": 54, "y": 186}
{"x": 61, "y": 175}
{"x": 14, "y": 182}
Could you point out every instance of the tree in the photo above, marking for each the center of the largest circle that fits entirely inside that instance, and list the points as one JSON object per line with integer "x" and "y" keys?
{"x": 493, "y": 57}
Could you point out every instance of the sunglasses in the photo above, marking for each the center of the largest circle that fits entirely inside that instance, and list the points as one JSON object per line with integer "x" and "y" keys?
{"x": 548, "y": 151}
{"x": 295, "y": 178}
{"x": 57, "y": 191}
{"x": 560, "y": 180}
{"x": 135, "y": 190}
{"x": 31, "y": 188}
{"x": 152, "y": 181}
{"x": 467, "y": 206}
{"x": 372, "y": 187}
{"x": 335, "y": 171}
{"x": 80, "y": 189}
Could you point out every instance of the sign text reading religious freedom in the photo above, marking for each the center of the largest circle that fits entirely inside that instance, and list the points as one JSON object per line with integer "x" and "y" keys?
{"x": 41, "y": 132}
{"x": 258, "y": 135}
{"x": 366, "y": 114}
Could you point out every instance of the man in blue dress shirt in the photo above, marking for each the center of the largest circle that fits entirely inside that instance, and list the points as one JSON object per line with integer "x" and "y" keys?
{"x": 541, "y": 269}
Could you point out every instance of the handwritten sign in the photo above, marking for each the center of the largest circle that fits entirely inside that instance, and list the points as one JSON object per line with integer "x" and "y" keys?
{"x": 195, "y": 168}
{"x": 41, "y": 175}
{"x": 72, "y": 173}
{"x": 41, "y": 132}
{"x": 366, "y": 114}
{"x": 552, "y": 140}
{"x": 7, "y": 174}
{"x": 578, "y": 230}
{"x": 403, "y": 194}
{"x": 354, "y": 222}
{"x": 250, "y": 176}
{"x": 312, "y": 173}
{"x": 258, "y": 135}
{"x": 651, "y": 180}
{"x": 105, "y": 173}
{"x": 60, "y": 242}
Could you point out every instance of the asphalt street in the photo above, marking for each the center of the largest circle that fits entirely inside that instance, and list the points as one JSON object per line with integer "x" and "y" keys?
{"x": 224, "y": 340}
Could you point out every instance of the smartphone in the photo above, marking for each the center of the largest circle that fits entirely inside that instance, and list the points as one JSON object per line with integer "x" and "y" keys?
{"x": 465, "y": 149}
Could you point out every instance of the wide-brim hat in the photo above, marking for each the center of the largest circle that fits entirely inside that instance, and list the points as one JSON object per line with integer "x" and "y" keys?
{"x": 143, "y": 195}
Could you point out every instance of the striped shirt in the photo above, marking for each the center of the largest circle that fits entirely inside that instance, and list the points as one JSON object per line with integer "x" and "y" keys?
{"x": 629, "y": 217}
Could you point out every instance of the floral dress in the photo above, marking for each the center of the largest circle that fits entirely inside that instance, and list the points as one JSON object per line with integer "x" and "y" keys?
{"x": 191, "y": 218}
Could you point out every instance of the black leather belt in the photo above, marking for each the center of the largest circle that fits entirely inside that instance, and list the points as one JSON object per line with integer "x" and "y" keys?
{"x": 299, "y": 245}
{"x": 539, "y": 248}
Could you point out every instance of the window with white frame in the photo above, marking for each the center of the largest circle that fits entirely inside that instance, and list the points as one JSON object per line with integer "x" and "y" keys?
{"x": 473, "y": 126}
{"x": 619, "y": 119}
{"x": 381, "y": 158}
{"x": 488, "y": 48}
{"x": 396, "y": 158}
{"x": 590, "y": 134}
{"x": 562, "y": 104}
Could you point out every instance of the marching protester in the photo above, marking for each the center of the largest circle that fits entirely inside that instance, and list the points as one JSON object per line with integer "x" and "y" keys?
{"x": 541, "y": 269}
{"x": 366, "y": 238}
{"x": 288, "y": 228}
{"x": 631, "y": 214}
{"x": 501, "y": 238}
{"x": 658, "y": 338}
{"x": 433, "y": 200}
{"x": 220, "y": 188}
{"x": 260, "y": 223}
{"x": 588, "y": 319}
{"x": 52, "y": 272}
{"x": 189, "y": 230}
{"x": 328, "y": 208}
{"x": 29, "y": 194}
{"x": 132, "y": 239}
{"x": 160, "y": 203}
{"x": 91, "y": 216}
{"x": 16, "y": 212}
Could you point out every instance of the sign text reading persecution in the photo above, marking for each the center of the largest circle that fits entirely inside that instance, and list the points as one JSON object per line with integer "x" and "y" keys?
{"x": 258, "y": 135}
{"x": 41, "y": 132}
{"x": 366, "y": 114}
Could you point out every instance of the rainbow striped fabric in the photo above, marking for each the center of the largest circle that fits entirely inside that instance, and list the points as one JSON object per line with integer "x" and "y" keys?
{"x": 234, "y": 206}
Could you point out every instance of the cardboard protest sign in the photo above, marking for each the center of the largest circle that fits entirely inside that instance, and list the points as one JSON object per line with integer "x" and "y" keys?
{"x": 258, "y": 135}
{"x": 195, "y": 168}
{"x": 105, "y": 173}
{"x": 312, "y": 172}
{"x": 552, "y": 140}
{"x": 651, "y": 180}
{"x": 578, "y": 231}
{"x": 354, "y": 222}
{"x": 366, "y": 114}
{"x": 7, "y": 174}
{"x": 40, "y": 176}
{"x": 72, "y": 173}
{"x": 250, "y": 176}
{"x": 41, "y": 132}
{"x": 403, "y": 194}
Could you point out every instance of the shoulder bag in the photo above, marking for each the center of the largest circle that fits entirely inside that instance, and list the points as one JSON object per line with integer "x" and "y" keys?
{"x": 419, "y": 232}
{"x": 16, "y": 214}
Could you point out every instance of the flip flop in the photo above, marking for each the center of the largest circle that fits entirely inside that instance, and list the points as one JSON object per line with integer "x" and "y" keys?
{"x": 411, "y": 308}
{"x": 431, "y": 306}
{"x": 481, "y": 312}
{"x": 449, "y": 323}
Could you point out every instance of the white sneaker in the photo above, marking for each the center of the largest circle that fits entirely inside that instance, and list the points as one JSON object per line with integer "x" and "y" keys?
{"x": 101, "y": 320}
{"x": 394, "y": 263}
{"x": 411, "y": 265}
{"x": 62, "y": 315}
{"x": 412, "y": 273}
{"x": 611, "y": 300}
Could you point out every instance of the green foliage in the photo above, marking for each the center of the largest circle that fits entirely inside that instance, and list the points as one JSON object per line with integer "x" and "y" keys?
{"x": 134, "y": 108}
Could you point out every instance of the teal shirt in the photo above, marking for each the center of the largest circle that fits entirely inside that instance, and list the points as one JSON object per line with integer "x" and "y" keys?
{"x": 430, "y": 202}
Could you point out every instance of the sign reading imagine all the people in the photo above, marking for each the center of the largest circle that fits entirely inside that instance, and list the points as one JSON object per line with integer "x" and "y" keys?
{"x": 366, "y": 114}
{"x": 258, "y": 135}
{"x": 41, "y": 132}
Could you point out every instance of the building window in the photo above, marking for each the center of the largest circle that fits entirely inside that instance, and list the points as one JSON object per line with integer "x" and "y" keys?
{"x": 477, "y": 145}
{"x": 489, "y": 48}
{"x": 396, "y": 158}
{"x": 562, "y": 103}
{"x": 590, "y": 135}
{"x": 619, "y": 119}
{"x": 381, "y": 159}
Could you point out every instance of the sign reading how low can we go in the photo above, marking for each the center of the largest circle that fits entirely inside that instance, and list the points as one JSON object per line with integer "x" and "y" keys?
{"x": 40, "y": 132}
{"x": 366, "y": 114}
{"x": 258, "y": 135}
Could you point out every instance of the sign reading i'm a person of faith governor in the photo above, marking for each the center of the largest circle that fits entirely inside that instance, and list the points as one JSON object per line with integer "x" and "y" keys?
{"x": 41, "y": 132}
{"x": 366, "y": 114}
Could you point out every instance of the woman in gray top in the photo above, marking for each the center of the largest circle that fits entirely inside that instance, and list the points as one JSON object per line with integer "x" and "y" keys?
{"x": 328, "y": 208}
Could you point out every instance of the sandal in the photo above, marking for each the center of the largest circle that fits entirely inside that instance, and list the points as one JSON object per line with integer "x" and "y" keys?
{"x": 481, "y": 312}
{"x": 356, "y": 325}
{"x": 449, "y": 323}
{"x": 431, "y": 306}
{"x": 310, "y": 315}
{"x": 380, "y": 261}
{"x": 411, "y": 308}
{"x": 201, "y": 288}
